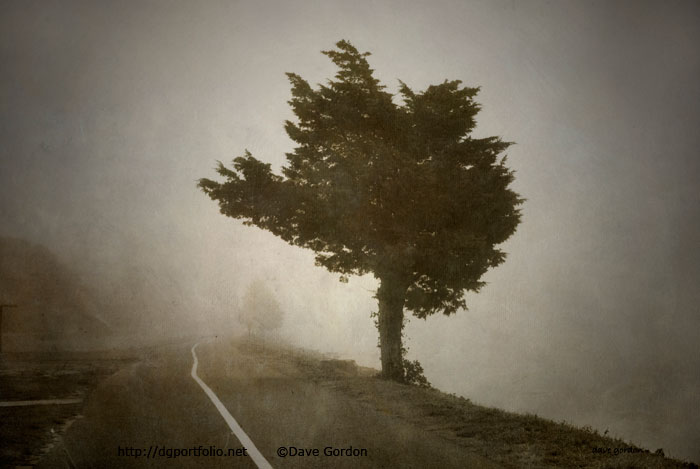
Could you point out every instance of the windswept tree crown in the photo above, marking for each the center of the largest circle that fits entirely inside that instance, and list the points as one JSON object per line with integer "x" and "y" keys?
{"x": 400, "y": 190}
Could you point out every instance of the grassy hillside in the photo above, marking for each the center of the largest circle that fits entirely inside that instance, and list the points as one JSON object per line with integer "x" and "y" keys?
{"x": 55, "y": 311}
{"x": 507, "y": 438}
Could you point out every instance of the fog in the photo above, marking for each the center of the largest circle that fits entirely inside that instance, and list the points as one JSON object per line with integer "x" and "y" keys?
{"x": 110, "y": 112}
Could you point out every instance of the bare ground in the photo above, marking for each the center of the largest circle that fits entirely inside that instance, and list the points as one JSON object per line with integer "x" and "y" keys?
{"x": 506, "y": 438}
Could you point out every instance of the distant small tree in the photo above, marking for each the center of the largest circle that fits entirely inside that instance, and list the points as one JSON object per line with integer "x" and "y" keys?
{"x": 260, "y": 312}
{"x": 400, "y": 190}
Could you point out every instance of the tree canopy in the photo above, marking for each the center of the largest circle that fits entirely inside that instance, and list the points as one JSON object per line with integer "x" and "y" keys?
{"x": 390, "y": 184}
{"x": 260, "y": 312}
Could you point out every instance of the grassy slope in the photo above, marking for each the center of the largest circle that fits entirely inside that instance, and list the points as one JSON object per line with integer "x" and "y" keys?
{"x": 510, "y": 439}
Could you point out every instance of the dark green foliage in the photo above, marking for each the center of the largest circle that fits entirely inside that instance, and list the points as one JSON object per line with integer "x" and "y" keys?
{"x": 376, "y": 186}
{"x": 400, "y": 190}
{"x": 412, "y": 370}
{"x": 413, "y": 373}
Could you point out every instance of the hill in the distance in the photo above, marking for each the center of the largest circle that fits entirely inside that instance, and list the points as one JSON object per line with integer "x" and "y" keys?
{"x": 54, "y": 309}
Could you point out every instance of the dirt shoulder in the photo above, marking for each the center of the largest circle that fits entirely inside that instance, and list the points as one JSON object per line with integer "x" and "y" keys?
{"x": 30, "y": 430}
{"x": 506, "y": 438}
{"x": 287, "y": 400}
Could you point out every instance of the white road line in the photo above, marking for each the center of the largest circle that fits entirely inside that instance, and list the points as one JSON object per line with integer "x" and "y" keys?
{"x": 255, "y": 455}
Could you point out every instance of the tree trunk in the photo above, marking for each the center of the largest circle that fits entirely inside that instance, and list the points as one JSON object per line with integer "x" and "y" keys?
{"x": 391, "y": 295}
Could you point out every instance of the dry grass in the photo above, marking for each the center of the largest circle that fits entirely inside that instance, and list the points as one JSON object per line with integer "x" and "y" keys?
{"x": 510, "y": 439}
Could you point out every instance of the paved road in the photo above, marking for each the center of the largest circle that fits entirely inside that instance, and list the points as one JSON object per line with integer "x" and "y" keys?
{"x": 156, "y": 406}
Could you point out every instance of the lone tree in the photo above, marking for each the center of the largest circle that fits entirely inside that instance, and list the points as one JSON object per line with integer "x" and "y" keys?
{"x": 260, "y": 312}
{"x": 401, "y": 190}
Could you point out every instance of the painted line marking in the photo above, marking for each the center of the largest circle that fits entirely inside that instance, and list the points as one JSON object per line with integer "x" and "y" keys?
{"x": 40, "y": 402}
{"x": 253, "y": 452}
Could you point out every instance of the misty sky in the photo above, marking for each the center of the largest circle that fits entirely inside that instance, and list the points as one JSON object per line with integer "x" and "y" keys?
{"x": 110, "y": 112}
